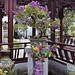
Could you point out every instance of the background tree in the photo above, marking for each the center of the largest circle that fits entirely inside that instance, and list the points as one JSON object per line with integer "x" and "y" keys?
{"x": 67, "y": 20}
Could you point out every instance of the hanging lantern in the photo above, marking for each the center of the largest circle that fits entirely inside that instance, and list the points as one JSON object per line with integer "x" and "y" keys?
{"x": 38, "y": 69}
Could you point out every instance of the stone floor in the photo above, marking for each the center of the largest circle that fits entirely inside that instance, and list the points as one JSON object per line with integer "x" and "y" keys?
{"x": 55, "y": 67}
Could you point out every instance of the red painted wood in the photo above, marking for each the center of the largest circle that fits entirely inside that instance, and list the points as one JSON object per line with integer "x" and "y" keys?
{"x": 71, "y": 41}
{"x": 10, "y": 24}
{"x": 14, "y": 4}
{"x": 51, "y": 7}
{"x": 66, "y": 55}
{"x": 66, "y": 50}
{"x": 20, "y": 60}
{"x": 6, "y": 6}
{"x": 67, "y": 41}
{"x": 15, "y": 53}
{"x": 72, "y": 55}
{"x": 0, "y": 25}
{"x": 33, "y": 32}
{"x": 61, "y": 24}
{"x": 18, "y": 53}
{"x": 64, "y": 39}
{"x": 60, "y": 53}
{"x": 24, "y": 51}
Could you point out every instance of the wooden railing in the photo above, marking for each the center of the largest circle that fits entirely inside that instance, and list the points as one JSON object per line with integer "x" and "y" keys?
{"x": 57, "y": 37}
{"x": 65, "y": 52}
{"x": 16, "y": 52}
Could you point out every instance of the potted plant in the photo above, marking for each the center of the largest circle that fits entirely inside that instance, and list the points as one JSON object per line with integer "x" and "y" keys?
{"x": 5, "y": 62}
{"x": 41, "y": 53}
{"x": 36, "y": 16}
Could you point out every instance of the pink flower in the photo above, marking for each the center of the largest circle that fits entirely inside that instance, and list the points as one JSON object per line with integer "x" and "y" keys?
{"x": 48, "y": 13}
{"x": 22, "y": 8}
{"x": 14, "y": 12}
{"x": 40, "y": 48}
{"x": 45, "y": 8}
{"x": 52, "y": 47}
{"x": 18, "y": 12}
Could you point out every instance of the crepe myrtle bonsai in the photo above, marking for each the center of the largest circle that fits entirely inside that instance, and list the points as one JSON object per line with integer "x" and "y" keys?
{"x": 36, "y": 16}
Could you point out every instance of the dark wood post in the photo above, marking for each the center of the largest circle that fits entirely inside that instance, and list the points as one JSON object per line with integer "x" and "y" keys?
{"x": 0, "y": 29}
{"x": 61, "y": 24}
{"x": 10, "y": 24}
{"x": 33, "y": 32}
{"x": 0, "y": 25}
{"x": 34, "y": 29}
{"x": 51, "y": 7}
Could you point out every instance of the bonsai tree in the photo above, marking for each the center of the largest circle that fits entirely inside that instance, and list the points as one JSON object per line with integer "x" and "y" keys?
{"x": 34, "y": 15}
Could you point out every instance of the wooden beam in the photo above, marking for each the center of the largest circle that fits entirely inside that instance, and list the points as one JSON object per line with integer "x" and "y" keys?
{"x": 0, "y": 25}
{"x": 51, "y": 7}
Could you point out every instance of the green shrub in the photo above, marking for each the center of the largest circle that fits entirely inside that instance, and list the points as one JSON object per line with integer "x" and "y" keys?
{"x": 20, "y": 35}
{"x": 5, "y": 36}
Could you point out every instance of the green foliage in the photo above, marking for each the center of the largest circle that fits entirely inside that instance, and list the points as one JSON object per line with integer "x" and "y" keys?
{"x": 19, "y": 36}
{"x": 34, "y": 13}
{"x": 37, "y": 16}
{"x": 19, "y": 27}
{"x": 5, "y": 36}
{"x": 18, "y": 45}
{"x": 67, "y": 21}
{"x": 5, "y": 26}
{"x": 11, "y": 72}
{"x": 72, "y": 29}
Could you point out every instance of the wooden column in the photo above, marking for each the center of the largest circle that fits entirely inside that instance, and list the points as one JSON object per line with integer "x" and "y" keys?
{"x": 51, "y": 7}
{"x": 0, "y": 28}
{"x": 33, "y": 32}
{"x": 0, "y": 25}
{"x": 10, "y": 24}
{"x": 61, "y": 24}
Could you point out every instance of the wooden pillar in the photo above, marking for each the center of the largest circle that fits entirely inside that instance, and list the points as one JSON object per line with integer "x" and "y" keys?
{"x": 51, "y": 7}
{"x": 61, "y": 24}
{"x": 0, "y": 29}
{"x": 10, "y": 24}
{"x": 0, "y": 25}
{"x": 33, "y": 32}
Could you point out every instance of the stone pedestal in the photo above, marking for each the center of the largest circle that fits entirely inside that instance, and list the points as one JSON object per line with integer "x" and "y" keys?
{"x": 38, "y": 41}
{"x": 5, "y": 61}
{"x": 31, "y": 63}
